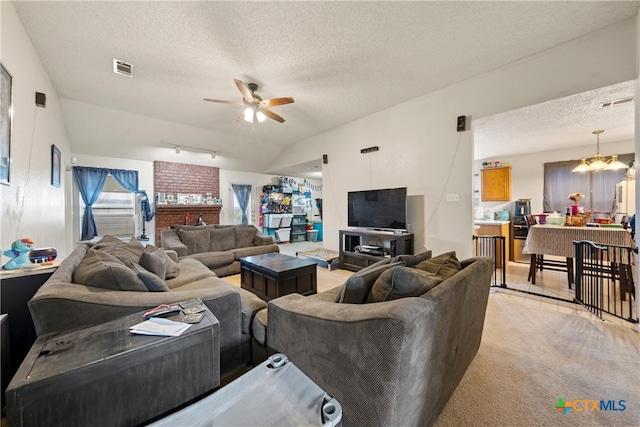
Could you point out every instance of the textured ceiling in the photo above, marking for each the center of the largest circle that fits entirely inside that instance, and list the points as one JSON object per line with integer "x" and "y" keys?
{"x": 340, "y": 60}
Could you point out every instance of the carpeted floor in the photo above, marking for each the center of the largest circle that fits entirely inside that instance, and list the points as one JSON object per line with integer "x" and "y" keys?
{"x": 530, "y": 357}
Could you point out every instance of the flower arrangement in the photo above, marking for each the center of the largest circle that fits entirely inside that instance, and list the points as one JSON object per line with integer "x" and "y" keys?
{"x": 575, "y": 198}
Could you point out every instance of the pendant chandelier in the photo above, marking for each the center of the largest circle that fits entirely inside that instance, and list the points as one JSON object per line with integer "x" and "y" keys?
{"x": 598, "y": 162}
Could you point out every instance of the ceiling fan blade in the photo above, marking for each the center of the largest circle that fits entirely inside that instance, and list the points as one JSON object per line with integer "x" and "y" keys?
{"x": 272, "y": 115}
{"x": 244, "y": 90}
{"x": 240, "y": 118}
{"x": 276, "y": 101}
{"x": 225, "y": 102}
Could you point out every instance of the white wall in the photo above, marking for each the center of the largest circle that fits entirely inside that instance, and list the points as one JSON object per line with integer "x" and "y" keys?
{"x": 527, "y": 171}
{"x": 30, "y": 205}
{"x": 420, "y": 148}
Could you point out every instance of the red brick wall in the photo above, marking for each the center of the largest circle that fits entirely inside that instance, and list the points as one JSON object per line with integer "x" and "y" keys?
{"x": 174, "y": 178}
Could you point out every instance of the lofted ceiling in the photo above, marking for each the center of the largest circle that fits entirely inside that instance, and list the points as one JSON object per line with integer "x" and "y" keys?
{"x": 340, "y": 60}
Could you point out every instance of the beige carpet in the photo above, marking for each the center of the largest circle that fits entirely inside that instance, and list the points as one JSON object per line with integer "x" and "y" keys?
{"x": 531, "y": 356}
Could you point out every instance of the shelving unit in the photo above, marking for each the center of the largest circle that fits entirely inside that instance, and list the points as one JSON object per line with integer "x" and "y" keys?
{"x": 276, "y": 203}
{"x": 392, "y": 243}
{"x": 299, "y": 223}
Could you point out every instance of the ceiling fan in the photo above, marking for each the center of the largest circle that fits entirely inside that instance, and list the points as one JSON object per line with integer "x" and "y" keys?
{"x": 256, "y": 106}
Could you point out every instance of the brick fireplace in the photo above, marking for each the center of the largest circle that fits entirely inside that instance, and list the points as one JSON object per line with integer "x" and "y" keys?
{"x": 181, "y": 178}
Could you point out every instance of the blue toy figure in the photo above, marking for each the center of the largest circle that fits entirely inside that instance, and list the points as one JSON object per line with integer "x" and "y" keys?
{"x": 20, "y": 252}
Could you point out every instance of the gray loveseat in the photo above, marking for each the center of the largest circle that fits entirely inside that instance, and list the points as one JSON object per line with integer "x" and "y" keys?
{"x": 110, "y": 279}
{"x": 389, "y": 363}
{"x": 219, "y": 247}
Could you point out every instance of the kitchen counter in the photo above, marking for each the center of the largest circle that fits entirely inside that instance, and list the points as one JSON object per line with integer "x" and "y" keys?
{"x": 491, "y": 222}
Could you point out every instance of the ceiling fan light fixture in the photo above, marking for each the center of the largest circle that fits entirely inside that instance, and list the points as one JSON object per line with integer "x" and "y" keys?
{"x": 260, "y": 116}
{"x": 248, "y": 115}
{"x": 177, "y": 149}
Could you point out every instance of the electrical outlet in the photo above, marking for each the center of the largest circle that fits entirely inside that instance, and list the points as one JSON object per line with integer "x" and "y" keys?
{"x": 453, "y": 197}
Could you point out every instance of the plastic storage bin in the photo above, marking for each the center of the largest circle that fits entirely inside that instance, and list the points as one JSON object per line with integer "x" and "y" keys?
{"x": 274, "y": 393}
{"x": 286, "y": 220}
{"x": 272, "y": 220}
{"x": 283, "y": 235}
{"x": 312, "y": 235}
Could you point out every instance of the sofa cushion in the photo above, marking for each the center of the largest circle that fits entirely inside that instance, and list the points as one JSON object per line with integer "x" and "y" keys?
{"x": 214, "y": 259}
{"x": 253, "y": 250}
{"x": 222, "y": 239}
{"x": 191, "y": 270}
{"x": 155, "y": 262}
{"x": 107, "y": 240}
{"x": 412, "y": 260}
{"x": 196, "y": 241}
{"x": 400, "y": 282}
{"x": 244, "y": 235}
{"x": 103, "y": 270}
{"x": 445, "y": 265}
{"x": 357, "y": 287}
{"x": 172, "y": 267}
{"x": 150, "y": 280}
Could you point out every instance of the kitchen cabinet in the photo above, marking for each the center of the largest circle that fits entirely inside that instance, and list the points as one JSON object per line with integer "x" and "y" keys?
{"x": 497, "y": 228}
{"x": 496, "y": 184}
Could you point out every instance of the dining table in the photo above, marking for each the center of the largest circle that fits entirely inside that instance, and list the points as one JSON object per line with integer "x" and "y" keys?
{"x": 557, "y": 240}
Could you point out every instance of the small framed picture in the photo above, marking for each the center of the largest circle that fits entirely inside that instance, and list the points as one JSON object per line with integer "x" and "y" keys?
{"x": 6, "y": 116}
{"x": 55, "y": 166}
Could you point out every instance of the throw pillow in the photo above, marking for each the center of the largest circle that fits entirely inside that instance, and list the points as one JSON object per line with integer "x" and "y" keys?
{"x": 106, "y": 241}
{"x": 222, "y": 239}
{"x": 412, "y": 260}
{"x": 155, "y": 262}
{"x": 357, "y": 287}
{"x": 445, "y": 265}
{"x": 103, "y": 270}
{"x": 172, "y": 267}
{"x": 400, "y": 282}
{"x": 150, "y": 280}
{"x": 196, "y": 241}
{"x": 244, "y": 235}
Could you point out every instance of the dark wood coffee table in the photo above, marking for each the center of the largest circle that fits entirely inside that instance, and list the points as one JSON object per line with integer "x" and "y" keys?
{"x": 273, "y": 275}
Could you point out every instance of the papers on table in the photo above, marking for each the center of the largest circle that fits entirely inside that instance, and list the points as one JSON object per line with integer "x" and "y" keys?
{"x": 160, "y": 327}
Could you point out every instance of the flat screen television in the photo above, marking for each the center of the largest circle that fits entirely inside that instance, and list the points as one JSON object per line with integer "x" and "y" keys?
{"x": 384, "y": 209}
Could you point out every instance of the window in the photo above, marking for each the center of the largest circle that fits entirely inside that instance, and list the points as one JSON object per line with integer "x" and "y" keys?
{"x": 599, "y": 188}
{"x": 114, "y": 211}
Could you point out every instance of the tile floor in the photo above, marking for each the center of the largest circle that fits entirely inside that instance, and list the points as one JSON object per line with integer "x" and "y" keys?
{"x": 550, "y": 292}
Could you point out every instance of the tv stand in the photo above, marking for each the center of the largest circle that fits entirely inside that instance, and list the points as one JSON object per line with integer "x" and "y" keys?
{"x": 393, "y": 244}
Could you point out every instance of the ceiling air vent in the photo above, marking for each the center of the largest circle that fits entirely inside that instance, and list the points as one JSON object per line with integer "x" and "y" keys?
{"x": 122, "y": 68}
{"x": 616, "y": 102}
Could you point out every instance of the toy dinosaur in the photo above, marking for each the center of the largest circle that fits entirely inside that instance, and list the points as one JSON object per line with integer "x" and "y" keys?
{"x": 20, "y": 254}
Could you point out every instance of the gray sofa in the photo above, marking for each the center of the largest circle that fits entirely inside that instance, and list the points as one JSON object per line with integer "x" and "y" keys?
{"x": 389, "y": 363}
{"x": 219, "y": 247}
{"x": 99, "y": 282}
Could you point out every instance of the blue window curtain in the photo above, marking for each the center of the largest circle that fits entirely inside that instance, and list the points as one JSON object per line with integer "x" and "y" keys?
{"x": 129, "y": 181}
{"x": 242, "y": 193}
{"x": 90, "y": 182}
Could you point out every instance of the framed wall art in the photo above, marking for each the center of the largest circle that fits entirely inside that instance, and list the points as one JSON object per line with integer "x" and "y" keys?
{"x": 55, "y": 166}
{"x": 6, "y": 117}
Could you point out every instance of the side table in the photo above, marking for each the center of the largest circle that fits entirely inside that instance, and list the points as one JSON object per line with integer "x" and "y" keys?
{"x": 104, "y": 375}
{"x": 17, "y": 287}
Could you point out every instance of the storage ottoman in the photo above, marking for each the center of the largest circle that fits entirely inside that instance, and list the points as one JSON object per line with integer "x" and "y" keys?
{"x": 104, "y": 375}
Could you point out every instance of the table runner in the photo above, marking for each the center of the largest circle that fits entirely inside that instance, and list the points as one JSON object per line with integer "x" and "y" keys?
{"x": 558, "y": 239}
